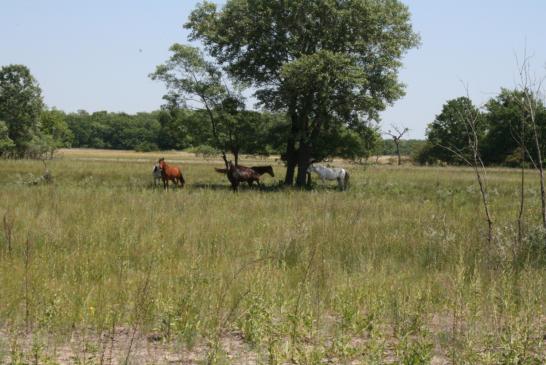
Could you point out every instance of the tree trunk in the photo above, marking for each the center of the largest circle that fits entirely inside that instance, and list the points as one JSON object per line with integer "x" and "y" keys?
{"x": 291, "y": 162}
{"x": 235, "y": 152}
{"x": 304, "y": 157}
{"x": 291, "y": 151}
{"x": 305, "y": 153}
{"x": 398, "y": 153}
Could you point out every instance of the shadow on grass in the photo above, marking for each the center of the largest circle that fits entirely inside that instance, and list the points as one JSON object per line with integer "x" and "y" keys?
{"x": 270, "y": 188}
{"x": 243, "y": 187}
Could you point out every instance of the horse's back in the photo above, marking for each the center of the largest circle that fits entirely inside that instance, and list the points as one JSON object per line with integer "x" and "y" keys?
{"x": 174, "y": 171}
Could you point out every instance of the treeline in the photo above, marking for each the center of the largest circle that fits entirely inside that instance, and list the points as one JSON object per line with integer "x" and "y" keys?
{"x": 408, "y": 147}
{"x": 254, "y": 132}
{"x": 29, "y": 129}
{"x": 504, "y": 128}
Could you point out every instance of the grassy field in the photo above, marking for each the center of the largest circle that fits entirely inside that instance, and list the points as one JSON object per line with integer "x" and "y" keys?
{"x": 100, "y": 267}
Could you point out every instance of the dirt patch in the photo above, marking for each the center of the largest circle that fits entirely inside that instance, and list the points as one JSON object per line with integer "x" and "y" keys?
{"x": 118, "y": 347}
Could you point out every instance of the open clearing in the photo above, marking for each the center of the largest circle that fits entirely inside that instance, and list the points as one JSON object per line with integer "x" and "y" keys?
{"x": 100, "y": 267}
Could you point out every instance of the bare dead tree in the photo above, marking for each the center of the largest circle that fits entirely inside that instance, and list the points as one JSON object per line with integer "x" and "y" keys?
{"x": 471, "y": 118}
{"x": 532, "y": 96}
{"x": 397, "y": 135}
{"x": 521, "y": 139}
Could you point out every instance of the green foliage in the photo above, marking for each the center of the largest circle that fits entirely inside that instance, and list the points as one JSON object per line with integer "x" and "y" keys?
{"x": 449, "y": 133}
{"x": 347, "y": 143}
{"x": 408, "y": 147}
{"x": 175, "y": 129}
{"x": 203, "y": 150}
{"x": 189, "y": 77}
{"x": 503, "y": 127}
{"x": 329, "y": 64}
{"x": 192, "y": 79}
{"x": 41, "y": 145}
{"x": 53, "y": 123}
{"x": 505, "y": 113}
{"x": 114, "y": 130}
{"x": 20, "y": 104}
{"x": 6, "y": 143}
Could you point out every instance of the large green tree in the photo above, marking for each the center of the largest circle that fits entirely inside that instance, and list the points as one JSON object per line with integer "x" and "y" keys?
{"x": 505, "y": 136}
{"x": 449, "y": 133}
{"x": 20, "y": 104}
{"x": 328, "y": 64}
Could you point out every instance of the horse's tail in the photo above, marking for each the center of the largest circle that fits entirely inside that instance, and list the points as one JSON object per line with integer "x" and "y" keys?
{"x": 346, "y": 180}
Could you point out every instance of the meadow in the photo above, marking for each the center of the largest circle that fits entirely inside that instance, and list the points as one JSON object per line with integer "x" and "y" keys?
{"x": 100, "y": 267}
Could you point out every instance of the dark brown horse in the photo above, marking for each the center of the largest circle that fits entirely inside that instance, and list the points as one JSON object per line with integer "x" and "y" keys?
{"x": 268, "y": 169}
{"x": 238, "y": 174}
{"x": 170, "y": 173}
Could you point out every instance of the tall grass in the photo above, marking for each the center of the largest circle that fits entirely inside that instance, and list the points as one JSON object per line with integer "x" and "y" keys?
{"x": 395, "y": 270}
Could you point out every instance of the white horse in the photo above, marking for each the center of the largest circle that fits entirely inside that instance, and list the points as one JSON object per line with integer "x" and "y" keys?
{"x": 327, "y": 173}
{"x": 156, "y": 174}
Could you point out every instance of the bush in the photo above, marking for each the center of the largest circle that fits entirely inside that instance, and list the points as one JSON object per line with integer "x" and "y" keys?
{"x": 424, "y": 155}
{"x": 146, "y": 147}
{"x": 203, "y": 151}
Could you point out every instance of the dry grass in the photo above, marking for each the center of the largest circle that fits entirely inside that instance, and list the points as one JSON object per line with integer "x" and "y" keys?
{"x": 396, "y": 270}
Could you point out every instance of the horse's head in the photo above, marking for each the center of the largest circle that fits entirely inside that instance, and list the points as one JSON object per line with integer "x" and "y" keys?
{"x": 161, "y": 163}
{"x": 311, "y": 168}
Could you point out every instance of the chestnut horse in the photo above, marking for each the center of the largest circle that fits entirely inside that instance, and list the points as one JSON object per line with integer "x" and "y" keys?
{"x": 170, "y": 173}
{"x": 236, "y": 174}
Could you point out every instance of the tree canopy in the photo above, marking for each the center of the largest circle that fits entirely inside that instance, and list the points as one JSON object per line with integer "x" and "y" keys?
{"x": 329, "y": 64}
{"x": 449, "y": 132}
{"x": 503, "y": 129}
{"x": 20, "y": 104}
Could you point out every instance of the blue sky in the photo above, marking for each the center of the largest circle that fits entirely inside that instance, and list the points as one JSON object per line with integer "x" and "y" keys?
{"x": 96, "y": 55}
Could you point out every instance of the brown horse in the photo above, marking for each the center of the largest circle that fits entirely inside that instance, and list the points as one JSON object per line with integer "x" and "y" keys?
{"x": 170, "y": 173}
{"x": 237, "y": 174}
{"x": 268, "y": 169}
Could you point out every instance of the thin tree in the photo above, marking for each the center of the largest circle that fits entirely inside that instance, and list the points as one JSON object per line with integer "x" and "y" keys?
{"x": 520, "y": 138}
{"x": 397, "y": 135}
{"x": 532, "y": 95}
{"x": 471, "y": 155}
{"x": 190, "y": 78}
